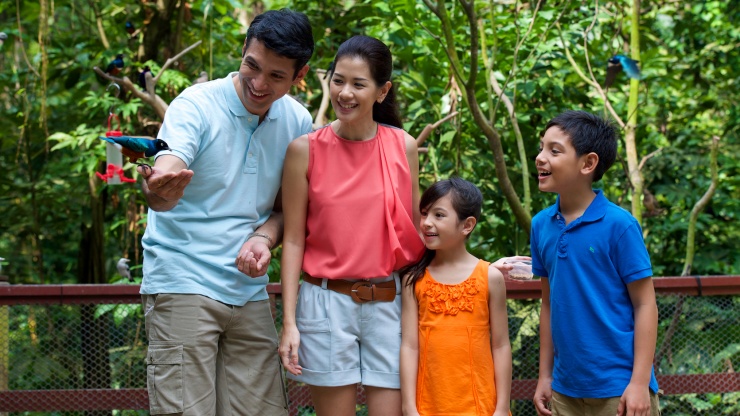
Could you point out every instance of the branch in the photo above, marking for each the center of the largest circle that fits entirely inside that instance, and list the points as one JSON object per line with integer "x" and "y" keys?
{"x": 320, "y": 119}
{"x": 649, "y": 155}
{"x": 424, "y": 135}
{"x": 174, "y": 59}
{"x": 699, "y": 207}
{"x": 590, "y": 81}
{"x": 148, "y": 96}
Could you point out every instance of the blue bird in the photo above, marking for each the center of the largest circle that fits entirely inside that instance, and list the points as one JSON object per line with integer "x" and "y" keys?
{"x": 142, "y": 77}
{"x": 115, "y": 66}
{"x": 138, "y": 147}
{"x": 130, "y": 29}
{"x": 618, "y": 63}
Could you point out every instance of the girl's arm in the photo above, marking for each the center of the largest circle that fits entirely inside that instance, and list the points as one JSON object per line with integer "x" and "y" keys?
{"x": 543, "y": 395}
{"x": 409, "y": 349}
{"x": 636, "y": 397}
{"x": 412, "y": 155}
{"x": 295, "y": 203}
{"x": 500, "y": 345}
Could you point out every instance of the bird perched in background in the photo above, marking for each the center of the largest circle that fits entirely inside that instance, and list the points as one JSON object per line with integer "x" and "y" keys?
{"x": 3, "y": 38}
{"x": 123, "y": 269}
{"x": 115, "y": 66}
{"x": 143, "y": 77}
{"x": 130, "y": 29}
{"x": 138, "y": 147}
{"x": 618, "y": 63}
{"x": 203, "y": 77}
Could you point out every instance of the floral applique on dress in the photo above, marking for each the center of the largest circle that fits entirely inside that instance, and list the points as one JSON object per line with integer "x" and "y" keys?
{"x": 451, "y": 299}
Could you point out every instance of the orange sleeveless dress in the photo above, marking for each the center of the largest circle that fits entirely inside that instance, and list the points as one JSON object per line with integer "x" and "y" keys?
{"x": 455, "y": 375}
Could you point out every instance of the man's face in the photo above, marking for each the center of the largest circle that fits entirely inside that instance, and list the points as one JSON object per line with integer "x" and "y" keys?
{"x": 264, "y": 77}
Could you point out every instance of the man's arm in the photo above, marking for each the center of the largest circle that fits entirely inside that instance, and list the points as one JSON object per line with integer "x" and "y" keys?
{"x": 636, "y": 397}
{"x": 164, "y": 184}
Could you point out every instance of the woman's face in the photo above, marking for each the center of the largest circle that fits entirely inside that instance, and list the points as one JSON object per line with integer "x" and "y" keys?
{"x": 353, "y": 90}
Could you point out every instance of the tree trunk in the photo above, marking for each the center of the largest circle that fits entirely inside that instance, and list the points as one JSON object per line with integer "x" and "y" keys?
{"x": 631, "y": 127}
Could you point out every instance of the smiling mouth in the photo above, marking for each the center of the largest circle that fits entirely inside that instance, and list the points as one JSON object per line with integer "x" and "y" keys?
{"x": 431, "y": 235}
{"x": 347, "y": 106}
{"x": 545, "y": 173}
{"x": 256, "y": 94}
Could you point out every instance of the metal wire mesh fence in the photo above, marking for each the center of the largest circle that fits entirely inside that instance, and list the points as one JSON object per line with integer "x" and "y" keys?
{"x": 88, "y": 357}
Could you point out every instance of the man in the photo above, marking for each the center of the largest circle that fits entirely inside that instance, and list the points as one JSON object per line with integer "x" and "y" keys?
{"x": 211, "y": 225}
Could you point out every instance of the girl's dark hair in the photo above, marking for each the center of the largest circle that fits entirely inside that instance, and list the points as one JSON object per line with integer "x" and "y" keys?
{"x": 285, "y": 32}
{"x": 379, "y": 60}
{"x": 467, "y": 201}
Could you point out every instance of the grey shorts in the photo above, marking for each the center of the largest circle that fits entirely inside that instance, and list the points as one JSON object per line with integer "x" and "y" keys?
{"x": 209, "y": 358}
{"x": 344, "y": 342}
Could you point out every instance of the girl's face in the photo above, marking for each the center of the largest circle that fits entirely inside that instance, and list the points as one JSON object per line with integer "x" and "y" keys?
{"x": 353, "y": 90}
{"x": 441, "y": 226}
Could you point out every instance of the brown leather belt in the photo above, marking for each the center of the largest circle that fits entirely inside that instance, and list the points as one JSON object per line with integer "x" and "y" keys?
{"x": 360, "y": 292}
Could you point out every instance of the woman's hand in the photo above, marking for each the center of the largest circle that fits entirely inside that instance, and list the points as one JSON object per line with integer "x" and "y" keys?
{"x": 288, "y": 349}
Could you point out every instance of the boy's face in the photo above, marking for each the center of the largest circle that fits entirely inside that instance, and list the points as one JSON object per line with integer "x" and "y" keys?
{"x": 559, "y": 168}
{"x": 264, "y": 77}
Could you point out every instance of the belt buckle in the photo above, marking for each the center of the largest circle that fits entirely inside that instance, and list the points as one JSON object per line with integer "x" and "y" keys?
{"x": 355, "y": 289}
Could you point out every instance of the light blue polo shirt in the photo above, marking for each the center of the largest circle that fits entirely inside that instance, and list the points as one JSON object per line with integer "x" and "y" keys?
{"x": 237, "y": 169}
{"x": 588, "y": 264}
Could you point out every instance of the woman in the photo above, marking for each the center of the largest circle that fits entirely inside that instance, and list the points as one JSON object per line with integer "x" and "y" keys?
{"x": 350, "y": 202}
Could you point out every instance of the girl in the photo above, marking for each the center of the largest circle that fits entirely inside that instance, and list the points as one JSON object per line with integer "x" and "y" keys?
{"x": 455, "y": 326}
{"x": 350, "y": 192}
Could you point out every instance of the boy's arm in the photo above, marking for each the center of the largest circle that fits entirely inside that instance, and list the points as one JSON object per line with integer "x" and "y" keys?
{"x": 409, "y": 349}
{"x": 636, "y": 397}
{"x": 500, "y": 344}
{"x": 543, "y": 394}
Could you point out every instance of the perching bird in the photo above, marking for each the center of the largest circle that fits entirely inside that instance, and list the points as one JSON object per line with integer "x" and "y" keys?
{"x": 137, "y": 147}
{"x": 130, "y": 29}
{"x": 617, "y": 63}
{"x": 115, "y": 66}
{"x": 203, "y": 77}
{"x": 145, "y": 76}
{"x": 3, "y": 38}
{"x": 123, "y": 269}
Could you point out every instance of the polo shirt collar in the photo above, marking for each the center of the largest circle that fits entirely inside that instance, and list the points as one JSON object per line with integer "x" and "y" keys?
{"x": 595, "y": 211}
{"x": 235, "y": 105}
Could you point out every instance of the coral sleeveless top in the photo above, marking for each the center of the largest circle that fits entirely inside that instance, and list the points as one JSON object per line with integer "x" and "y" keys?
{"x": 359, "y": 222}
{"x": 455, "y": 375}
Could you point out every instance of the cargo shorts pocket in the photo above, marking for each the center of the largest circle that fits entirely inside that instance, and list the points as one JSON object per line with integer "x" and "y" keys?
{"x": 314, "y": 351}
{"x": 164, "y": 378}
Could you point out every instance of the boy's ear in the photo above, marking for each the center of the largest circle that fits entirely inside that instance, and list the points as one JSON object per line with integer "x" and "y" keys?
{"x": 590, "y": 161}
{"x": 468, "y": 225}
{"x": 300, "y": 75}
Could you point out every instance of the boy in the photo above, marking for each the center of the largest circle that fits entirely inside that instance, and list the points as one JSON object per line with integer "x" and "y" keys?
{"x": 599, "y": 317}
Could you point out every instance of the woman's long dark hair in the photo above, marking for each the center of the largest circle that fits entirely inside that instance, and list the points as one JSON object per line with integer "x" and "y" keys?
{"x": 379, "y": 60}
{"x": 467, "y": 201}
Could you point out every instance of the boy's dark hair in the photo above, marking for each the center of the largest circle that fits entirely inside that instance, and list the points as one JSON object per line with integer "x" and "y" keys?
{"x": 589, "y": 133}
{"x": 380, "y": 61}
{"x": 285, "y": 32}
{"x": 467, "y": 201}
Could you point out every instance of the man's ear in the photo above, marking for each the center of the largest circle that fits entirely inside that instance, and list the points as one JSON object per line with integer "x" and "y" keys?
{"x": 301, "y": 74}
{"x": 244, "y": 48}
{"x": 468, "y": 225}
{"x": 590, "y": 161}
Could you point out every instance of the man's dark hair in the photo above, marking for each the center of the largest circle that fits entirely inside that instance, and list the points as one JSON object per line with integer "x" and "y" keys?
{"x": 589, "y": 133}
{"x": 285, "y": 32}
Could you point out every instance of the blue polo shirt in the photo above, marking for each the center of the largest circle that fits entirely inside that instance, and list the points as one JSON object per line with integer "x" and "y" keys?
{"x": 237, "y": 166}
{"x": 588, "y": 264}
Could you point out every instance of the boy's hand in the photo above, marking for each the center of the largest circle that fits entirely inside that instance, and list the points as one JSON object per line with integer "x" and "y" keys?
{"x": 543, "y": 396}
{"x": 635, "y": 401}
